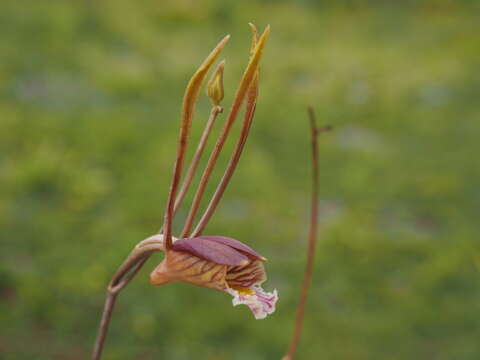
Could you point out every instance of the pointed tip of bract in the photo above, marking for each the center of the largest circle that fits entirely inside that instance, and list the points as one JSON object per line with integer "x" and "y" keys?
{"x": 222, "y": 43}
{"x": 260, "y": 42}
{"x": 266, "y": 32}
{"x": 254, "y": 30}
{"x": 254, "y": 38}
{"x": 191, "y": 92}
{"x": 263, "y": 258}
{"x": 214, "y": 54}
{"x": 253, "y": 27}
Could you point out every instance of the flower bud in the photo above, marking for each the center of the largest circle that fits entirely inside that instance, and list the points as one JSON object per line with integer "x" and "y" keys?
{"x": 215, "y": 85}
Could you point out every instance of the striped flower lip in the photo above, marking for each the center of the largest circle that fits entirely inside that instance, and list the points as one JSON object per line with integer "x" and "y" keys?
{"x": 219, "y": 263}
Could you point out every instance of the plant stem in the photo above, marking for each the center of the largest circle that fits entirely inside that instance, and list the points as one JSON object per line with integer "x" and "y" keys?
{"x": 312, "y": 238}
{"x": 104, "y": 323}
{"x": 120, "y": 279}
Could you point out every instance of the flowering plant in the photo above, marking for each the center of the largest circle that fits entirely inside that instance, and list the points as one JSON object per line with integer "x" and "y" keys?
{"x": 214, "y": 262}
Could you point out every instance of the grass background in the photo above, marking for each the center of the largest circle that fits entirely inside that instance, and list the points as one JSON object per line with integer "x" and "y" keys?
{"x": 90, "y": 94}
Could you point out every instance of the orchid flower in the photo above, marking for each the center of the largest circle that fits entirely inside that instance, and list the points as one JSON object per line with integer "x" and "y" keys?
{"x": 219, "y": 263}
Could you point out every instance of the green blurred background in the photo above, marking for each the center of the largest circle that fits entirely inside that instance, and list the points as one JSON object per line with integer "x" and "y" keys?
{"x": 90, "y": 93}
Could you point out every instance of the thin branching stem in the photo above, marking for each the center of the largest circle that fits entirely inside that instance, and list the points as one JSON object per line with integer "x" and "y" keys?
{"x": 312, "y": 238}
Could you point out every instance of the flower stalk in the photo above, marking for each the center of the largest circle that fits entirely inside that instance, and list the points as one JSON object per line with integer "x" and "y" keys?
{"x": 120, "y": 279}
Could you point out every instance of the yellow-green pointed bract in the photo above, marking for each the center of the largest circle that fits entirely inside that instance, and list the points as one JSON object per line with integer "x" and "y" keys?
{"x": 215, "y": 85}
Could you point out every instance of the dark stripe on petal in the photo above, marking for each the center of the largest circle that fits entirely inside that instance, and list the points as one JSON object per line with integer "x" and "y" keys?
{"x": 189, "y": 264}
{"x": 208, "y": 265}
{"x": 252, "y": 274}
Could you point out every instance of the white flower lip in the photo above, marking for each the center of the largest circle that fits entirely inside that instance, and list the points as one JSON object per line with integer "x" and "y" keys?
{"x": 261, "y": 303}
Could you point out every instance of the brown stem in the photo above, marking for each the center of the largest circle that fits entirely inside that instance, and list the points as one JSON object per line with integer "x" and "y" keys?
{"x": 312, "y": 238}
{"x": 240, "y": 96}
{"x": 188, "y": 107}
{"x": 131, "y": 273}
{"x": 120, "y": 279}
{"x": 104, "y": 323}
